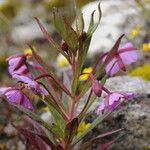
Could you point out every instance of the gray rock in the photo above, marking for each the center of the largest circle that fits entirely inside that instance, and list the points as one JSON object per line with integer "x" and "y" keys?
{"x": 28, "y": 32}
{"x": 129, "y": 84}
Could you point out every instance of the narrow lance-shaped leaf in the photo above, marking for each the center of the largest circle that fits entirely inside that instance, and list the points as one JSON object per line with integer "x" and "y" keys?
{"x": 49, "y": 38}
{"x": 71, "y": 130}
{"x": 79, "y": 22}
{"x": 66, "y": 31}
{"x": 31, "y": 136}
{"x": 94, "y": 140}
{"x": 105, "y": 146}
{"x": 35, "y": 117}
{"x": 50, "y": 101}
{"x": 93, "y": 26}
{"x": 84, "y": 49}
{"x": 93, "y": 125}
{"x": 59, "y": 122}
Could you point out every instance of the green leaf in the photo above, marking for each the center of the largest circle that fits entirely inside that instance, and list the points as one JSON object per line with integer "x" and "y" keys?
{"x": 83, "y": 49}
{"x": 50, "y": 101}
{"x": 96, "y": 139}
{"x": 79, "y": 22}
{"x": 59, "y": 122}
{"x": 48, "y": 37}
{"x": 93, "y": 26}
{"x": 66, "y": 31}
{"x": 71, "y": 130}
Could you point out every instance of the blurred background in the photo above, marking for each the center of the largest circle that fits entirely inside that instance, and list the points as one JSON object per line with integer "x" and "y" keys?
{"x": 19, "y": 28}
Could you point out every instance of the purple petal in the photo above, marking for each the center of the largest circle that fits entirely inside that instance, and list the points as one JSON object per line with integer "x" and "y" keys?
{"x": 30, "y": 82}
{"x": 113, "y": 106}
{"x": 14, "y": 61}
{"x": 129, "y": 95}
{"x": 14, "y": 96}
{"x": 43, "y": 90}
{"x": 27, "y": 103}
{"x": 112, "y": 68}
{"x": 3, "y": 90}
{"x": 23, "y": 70}
{"x": 101, "y": 108}
{"x": 114, "y": 97}
{"x": 130, "y": 54}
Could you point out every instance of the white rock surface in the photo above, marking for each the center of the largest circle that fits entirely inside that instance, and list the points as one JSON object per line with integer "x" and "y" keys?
{"x": 129, "y": 84}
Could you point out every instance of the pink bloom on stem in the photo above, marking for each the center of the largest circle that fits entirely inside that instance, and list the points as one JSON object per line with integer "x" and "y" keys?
{"x": 128, "y": 54}
{"x": 18, "y": 65}
{"x": 31, "y": 83}
{"x": 16, "y": 96}
{"x": 112, "y": 100}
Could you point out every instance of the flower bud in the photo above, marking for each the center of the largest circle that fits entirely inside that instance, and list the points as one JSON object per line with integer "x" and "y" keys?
{"x": 83, "y": 36}
{"x": 97, "y": 88}
{"x": 64, "y": 46}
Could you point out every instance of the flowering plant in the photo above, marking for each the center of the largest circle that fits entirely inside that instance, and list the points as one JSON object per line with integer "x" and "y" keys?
{"x": 63, "y": 96}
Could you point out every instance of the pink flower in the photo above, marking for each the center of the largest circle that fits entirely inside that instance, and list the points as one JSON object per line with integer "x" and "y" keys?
{"x": 126, "y": 55}
{"x": 16, "y": 96}
{"x": 18, "y": 65}
{"x": 112, "y": 100}
{"x": 18, "y": 69}
{"x": 31, "y": 83}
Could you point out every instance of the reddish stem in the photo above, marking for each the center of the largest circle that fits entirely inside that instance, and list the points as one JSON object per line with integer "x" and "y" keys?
{"x": 84, "y": 108}
{"x": 106, "y": 90}
{"x": 72, "y": 109}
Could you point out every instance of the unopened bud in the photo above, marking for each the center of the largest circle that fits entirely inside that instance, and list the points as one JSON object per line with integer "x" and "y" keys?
{"x": 83, "y": 36}
{"x": 64, "y": 46}
{"x": 97, "y": 88}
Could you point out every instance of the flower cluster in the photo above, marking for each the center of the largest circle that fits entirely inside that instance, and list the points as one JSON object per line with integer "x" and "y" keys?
{"x": 19, "y": 70}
